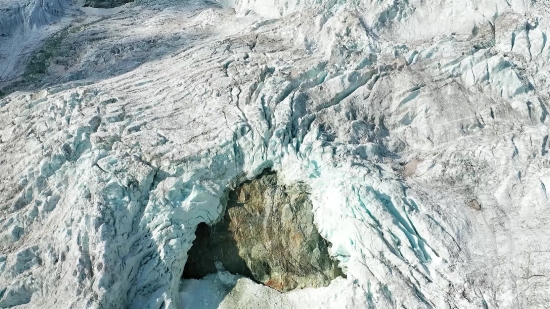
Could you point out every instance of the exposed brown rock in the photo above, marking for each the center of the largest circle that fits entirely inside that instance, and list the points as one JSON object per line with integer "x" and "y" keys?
{"x": 267, "y": 234}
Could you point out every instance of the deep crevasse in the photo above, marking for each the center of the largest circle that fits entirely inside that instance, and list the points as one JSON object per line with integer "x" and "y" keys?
{"x": 120, "y": 166}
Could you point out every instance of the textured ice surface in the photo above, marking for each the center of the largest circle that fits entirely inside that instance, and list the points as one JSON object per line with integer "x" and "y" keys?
{"x": 420, "y": 127}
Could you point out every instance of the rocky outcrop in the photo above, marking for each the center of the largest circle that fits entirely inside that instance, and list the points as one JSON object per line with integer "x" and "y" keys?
{"x": 268, "y": 235}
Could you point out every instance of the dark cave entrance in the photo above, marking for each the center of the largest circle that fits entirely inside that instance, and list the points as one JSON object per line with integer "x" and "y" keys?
{"x": 267, "y": 234}
{"x": 208, "y": 249}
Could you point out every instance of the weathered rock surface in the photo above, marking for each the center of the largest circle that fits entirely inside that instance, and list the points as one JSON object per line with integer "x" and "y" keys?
{"x": 267, "y": 234}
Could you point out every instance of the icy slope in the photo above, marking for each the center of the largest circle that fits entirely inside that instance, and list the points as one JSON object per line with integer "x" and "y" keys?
{"x": 421, "y": 129}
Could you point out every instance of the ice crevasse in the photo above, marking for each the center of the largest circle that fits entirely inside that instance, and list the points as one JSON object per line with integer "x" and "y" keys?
{"x": 420, "y": 130}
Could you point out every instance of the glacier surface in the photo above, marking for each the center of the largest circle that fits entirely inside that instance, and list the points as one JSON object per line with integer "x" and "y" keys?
{"x": 420, "y": 127}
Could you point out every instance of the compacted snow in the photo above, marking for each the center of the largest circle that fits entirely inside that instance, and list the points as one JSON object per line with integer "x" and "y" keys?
{"x": 420, "y": 127}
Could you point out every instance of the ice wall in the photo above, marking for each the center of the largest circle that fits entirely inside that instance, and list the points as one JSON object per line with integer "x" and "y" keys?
{"x": 397, "y": 115}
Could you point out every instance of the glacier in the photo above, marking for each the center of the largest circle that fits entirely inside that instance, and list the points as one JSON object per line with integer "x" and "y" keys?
{"x": 421, "y": 129}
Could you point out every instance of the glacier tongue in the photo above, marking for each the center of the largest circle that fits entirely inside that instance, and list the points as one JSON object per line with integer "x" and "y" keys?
{"x": 421, "y": 129}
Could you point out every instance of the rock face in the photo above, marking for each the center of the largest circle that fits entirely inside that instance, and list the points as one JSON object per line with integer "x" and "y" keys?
{"x": 267, "y": 234}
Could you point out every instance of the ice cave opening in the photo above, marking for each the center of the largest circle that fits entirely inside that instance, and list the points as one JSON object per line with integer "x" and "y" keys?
{"x": 267, "y": 234}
